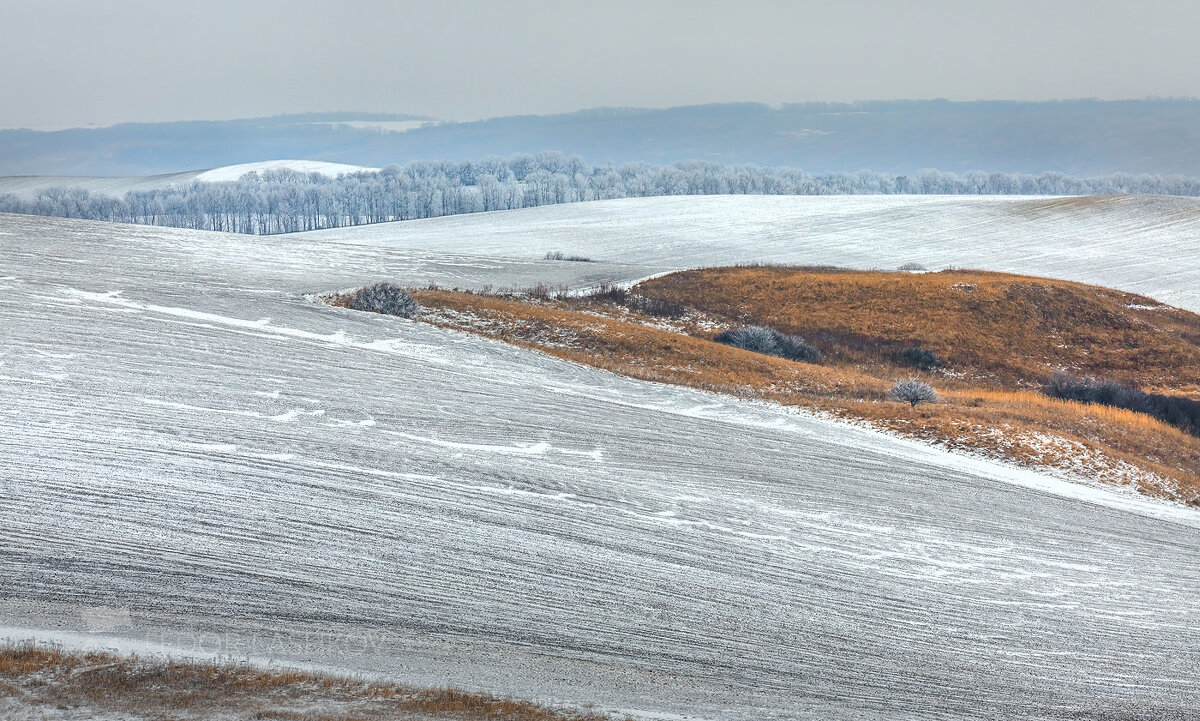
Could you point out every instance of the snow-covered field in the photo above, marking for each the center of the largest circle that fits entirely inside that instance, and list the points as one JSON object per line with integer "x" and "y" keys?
{"x": 198, "y": 458}
{"x": 28, "y": 186}
{"x": 1141, "y": 244}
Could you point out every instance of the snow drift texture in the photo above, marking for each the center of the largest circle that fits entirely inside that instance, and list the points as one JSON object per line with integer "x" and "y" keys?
{"x": 198, "y": 457}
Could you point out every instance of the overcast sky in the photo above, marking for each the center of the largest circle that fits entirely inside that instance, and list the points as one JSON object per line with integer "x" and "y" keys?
{"x": 77, "y": 62}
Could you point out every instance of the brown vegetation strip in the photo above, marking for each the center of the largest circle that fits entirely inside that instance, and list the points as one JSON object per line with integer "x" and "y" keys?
{"x": 992, "y": 414}
{"x": 49, "y": 678}
{"x": 1000, "y": 330}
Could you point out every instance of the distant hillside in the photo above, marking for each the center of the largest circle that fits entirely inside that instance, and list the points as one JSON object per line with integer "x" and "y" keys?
{"x": 1079, "y": 137}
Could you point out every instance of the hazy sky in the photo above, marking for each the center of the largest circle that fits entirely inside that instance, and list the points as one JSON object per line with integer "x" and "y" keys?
{"x": 75, "y": 62}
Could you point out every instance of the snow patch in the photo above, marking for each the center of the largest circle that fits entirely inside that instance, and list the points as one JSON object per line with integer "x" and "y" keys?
{"x": 284, "y": 417}
{"x": 531, "y": 449}
{"x": 231, "y": 173}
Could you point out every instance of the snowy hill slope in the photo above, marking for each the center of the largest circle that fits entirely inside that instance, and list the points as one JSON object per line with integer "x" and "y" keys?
{"x": 198, "y": 458}
{"x": 28, "y": 186}
{"x": 234, "y": 172}
{"x": 1143, "y": 244}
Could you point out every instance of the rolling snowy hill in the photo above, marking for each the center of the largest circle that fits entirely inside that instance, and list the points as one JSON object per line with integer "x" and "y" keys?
{"x": 234, "y": 172}
{"x": 28, "y": 186}
{"x": 198, "y": 458}
{"x": 1142, "y": 244}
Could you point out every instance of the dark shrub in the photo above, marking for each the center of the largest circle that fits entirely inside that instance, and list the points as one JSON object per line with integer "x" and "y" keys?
{"x": 1060, "y": 386}
{"x": 541, "y": 291}
{"x": 913, "y": 391}
{"x": 386, "y": 298}
{"x": 794, "y": 348}
{"x": 919, "y": 358}
{"x": 1183, "y": 413}
{"x": 608, "y": 292}
{"x": 1090, "y": 390}
{"x": 768, "y": 341}
{"x": 559, "y": 255}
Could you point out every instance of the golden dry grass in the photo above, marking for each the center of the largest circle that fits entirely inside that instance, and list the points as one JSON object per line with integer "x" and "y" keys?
{"x": 997, "y": 418}
{"x": 49, "y": 677}
{"x": 999, "y": 330}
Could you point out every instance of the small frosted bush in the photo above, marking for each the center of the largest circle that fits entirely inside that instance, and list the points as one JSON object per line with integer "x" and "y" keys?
{"x": 913, "y": 391}
{"x": 757, "y": 338}
{"x": 768, "y": 341}
{"x": 386, "y": 298}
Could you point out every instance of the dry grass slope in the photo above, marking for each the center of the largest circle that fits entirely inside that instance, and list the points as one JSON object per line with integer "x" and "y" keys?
{"x": 41, "y": 678}
{"x": 1000, "y": 330}
{"x": 859, "y": 320}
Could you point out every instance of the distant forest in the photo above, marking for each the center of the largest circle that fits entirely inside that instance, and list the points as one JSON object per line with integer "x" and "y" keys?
{"x": 286, "y": 201}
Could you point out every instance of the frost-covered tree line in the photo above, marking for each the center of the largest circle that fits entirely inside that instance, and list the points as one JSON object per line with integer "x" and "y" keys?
{"x": 283, "y": 201}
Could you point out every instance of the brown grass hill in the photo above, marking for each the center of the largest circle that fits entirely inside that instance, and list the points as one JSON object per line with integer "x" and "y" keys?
{"x": 990, "y": 329}
{"x": 1001, "y": 336}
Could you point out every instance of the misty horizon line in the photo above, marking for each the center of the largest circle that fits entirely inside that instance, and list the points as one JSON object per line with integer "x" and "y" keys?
{"x": 335, "y": 116}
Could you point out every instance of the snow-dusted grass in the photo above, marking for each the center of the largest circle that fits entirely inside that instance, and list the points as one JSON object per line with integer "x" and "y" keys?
{"x": 45, "y": 682}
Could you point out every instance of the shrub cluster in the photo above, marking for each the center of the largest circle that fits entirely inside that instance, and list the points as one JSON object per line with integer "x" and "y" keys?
{"x": 1183, "y": 413}
{"x": 655, "y": 306}
{"x": 609, "y": 292}
{"x": 386, "y": 298}
{"x": 1091, "y": 390}
{"x": 768, "y": 341}
{"x": 613, "y": 293}
{"x": 559, "y": 255}
{"x": 919, "y": 358}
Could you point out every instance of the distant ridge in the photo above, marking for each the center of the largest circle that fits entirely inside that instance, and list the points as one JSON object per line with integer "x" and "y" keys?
{"x": 1078, "y": 137}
